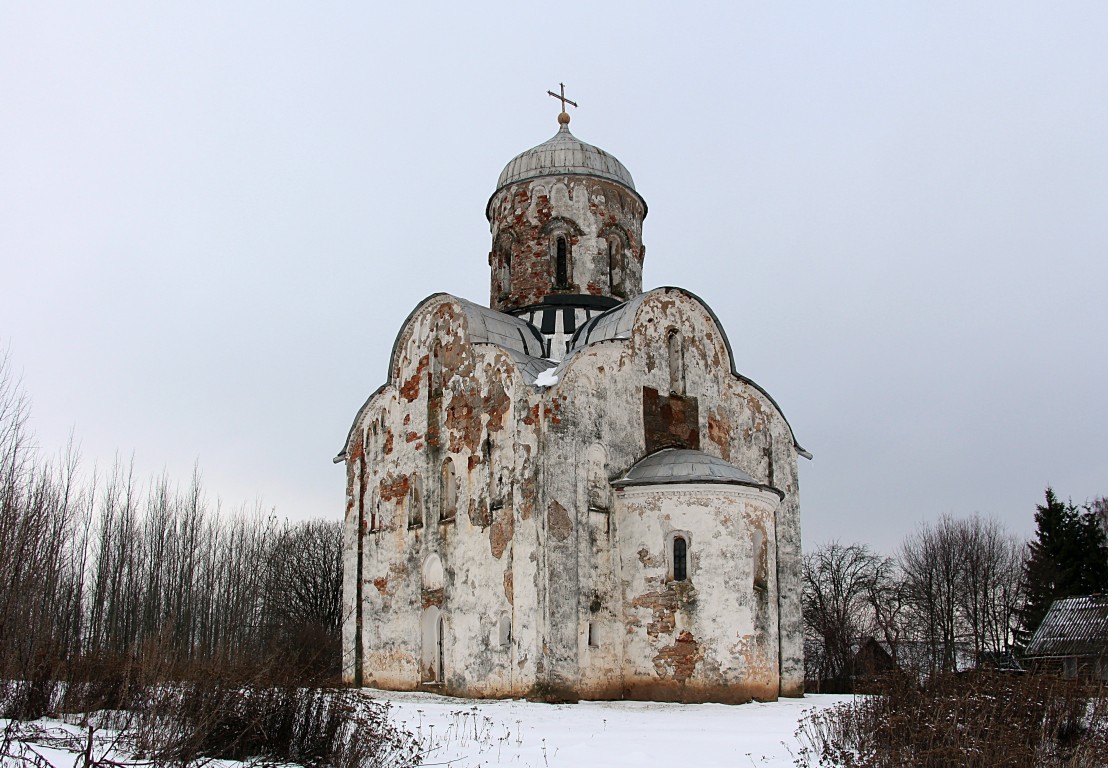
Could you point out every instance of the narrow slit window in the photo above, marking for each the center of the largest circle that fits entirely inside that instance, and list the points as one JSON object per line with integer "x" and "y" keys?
{"x": 415, "y": 503}
{"x": 449, "y": 491}
{"x": 561, "y": 263}
{"x": 680, "y": 558}
{"x": 676, "y": 362}
{"x": 594, "y": 635}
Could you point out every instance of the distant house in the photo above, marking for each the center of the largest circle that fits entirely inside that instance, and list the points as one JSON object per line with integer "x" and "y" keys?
{"x": 1073, "y": 638}
{"x": 871, "y": 660}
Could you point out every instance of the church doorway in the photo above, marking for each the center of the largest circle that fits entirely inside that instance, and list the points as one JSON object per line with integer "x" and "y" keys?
{"x": 433, "y": 650}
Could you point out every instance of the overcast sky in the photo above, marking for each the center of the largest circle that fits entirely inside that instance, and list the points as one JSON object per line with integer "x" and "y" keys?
{"x": 215, "y": 216}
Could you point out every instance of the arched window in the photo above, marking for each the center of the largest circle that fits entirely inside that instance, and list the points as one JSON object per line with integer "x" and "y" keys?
{"x": 676, "y": 362}
{"x": 616, "y": 243}
{"x": 615, "y": 266}
{"x": 561, "y": 263}
{"x": 501, "y": 261}
{"x": 415, "y": 502}
{"x": 680, "y": 558}
{"x": 449, "y": 492}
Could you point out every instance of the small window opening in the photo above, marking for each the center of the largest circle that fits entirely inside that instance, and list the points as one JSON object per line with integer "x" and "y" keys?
{"x": 415, "y": 502}
{"x": 561, "y": 264}
{"x": 375, "y": 517}
{"x": 680, "y": 556}
{"x": 594, "y": 635}
{"x": 506, "y": 277}
{"x": 449, "y": 491}
{"x": 676, "y": 362}
{"x": 615, "y": 266}
{"x": 504, "y": 631}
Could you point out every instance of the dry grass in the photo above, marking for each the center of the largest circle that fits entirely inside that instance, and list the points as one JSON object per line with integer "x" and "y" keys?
{"x": 972, "y": 719}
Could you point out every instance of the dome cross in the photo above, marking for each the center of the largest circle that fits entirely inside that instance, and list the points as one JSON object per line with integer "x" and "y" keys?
{"x": 563, "y": 118}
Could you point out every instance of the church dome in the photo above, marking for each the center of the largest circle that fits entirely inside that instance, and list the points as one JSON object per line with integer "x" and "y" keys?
{"x": 563, "y": 155}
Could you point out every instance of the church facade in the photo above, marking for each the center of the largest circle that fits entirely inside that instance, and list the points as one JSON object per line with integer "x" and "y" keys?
{"x": 571, "y": 493}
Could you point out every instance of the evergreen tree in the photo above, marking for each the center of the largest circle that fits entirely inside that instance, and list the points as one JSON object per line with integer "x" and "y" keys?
{"x": 1068, "y": 556}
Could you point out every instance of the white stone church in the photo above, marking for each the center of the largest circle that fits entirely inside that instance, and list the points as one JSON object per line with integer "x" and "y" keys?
{"x": 571, "y": 493}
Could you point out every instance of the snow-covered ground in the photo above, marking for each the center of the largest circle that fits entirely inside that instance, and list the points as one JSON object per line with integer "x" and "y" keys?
{"x": 466, "y": 734}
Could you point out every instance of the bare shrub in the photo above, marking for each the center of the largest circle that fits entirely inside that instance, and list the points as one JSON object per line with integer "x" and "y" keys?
{"x": 973, "y": 720}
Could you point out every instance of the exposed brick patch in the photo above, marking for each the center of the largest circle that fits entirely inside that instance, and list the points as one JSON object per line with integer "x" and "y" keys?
{"x": 479, "y": 513}
{"x": 663, "y": 606}
{"x": 559, "y": 521}
{"x": 503, "y": 528}
{"x": 394, "y": 487}
{"x": 680, "y": 659}
{"x": 509, "y": 585}
{"x": 719, "y": 431}
{"x": 387, "y": 447}
{"x": 382, "y": 584}
{"x": 669, "y": 421}
{"x": 409, "y": 390}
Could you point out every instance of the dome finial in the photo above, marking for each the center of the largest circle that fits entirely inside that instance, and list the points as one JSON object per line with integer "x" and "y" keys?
{"x": 563, "y": 117}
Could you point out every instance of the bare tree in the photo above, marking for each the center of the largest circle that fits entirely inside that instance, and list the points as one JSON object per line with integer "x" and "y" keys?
{"x": 841, "y": 583}
{"x": 963, "y": 586}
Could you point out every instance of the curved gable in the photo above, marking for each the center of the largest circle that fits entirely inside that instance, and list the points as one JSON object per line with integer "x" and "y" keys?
{"x": 618, "y": 322}
{"x": 521, "y": 340}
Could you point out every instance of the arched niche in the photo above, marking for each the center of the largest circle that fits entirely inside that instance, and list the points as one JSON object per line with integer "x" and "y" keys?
{"x": 433, "y": 574}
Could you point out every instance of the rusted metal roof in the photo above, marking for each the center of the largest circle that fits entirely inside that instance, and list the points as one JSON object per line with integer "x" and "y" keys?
{"x": 1074, "y": 626}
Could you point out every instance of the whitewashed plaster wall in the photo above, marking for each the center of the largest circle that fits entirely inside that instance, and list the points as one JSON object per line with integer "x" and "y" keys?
{"x": 545, "y": 559}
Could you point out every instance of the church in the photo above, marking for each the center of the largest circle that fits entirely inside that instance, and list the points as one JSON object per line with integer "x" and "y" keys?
{"x": 571, "y": 493}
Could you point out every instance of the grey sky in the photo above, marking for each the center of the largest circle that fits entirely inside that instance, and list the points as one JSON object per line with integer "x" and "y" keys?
{"x": 214, "y": 217}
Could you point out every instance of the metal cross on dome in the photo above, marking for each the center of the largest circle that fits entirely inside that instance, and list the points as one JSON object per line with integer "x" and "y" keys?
{"x": 562, "y": 97}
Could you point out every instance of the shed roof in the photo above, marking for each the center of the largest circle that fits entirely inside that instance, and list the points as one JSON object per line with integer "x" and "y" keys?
{"x": 1074, "y": 626}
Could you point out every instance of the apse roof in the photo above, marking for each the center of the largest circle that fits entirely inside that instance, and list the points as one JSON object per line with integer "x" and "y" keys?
{"x": 683, "y": 465}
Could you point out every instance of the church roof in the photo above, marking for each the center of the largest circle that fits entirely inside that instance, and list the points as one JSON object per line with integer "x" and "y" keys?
{"x": 616, "y": 323}
{"x": 491, "y": 326}
{"x": 563, "y": 155}
{"x": 682, "y": 465}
